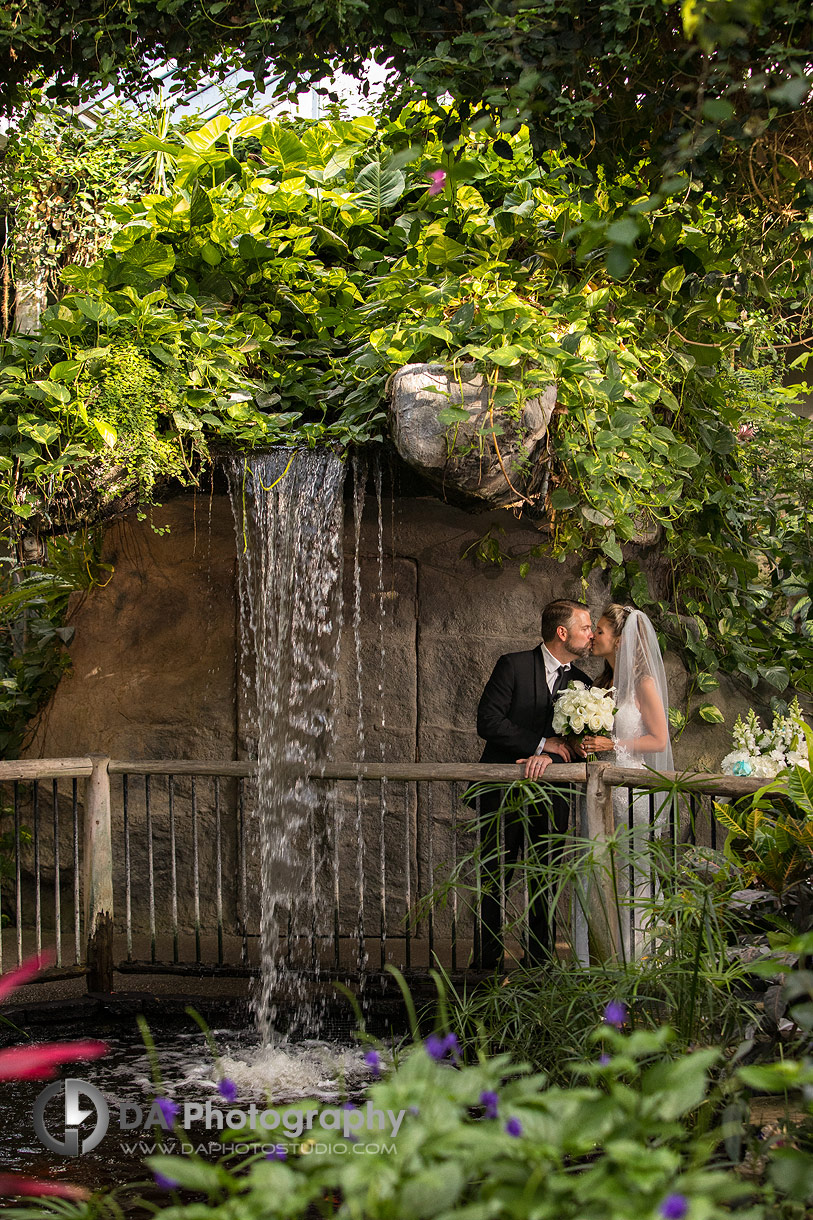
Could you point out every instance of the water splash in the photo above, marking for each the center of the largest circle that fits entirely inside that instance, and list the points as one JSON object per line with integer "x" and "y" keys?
{"x": 288, "y": 518}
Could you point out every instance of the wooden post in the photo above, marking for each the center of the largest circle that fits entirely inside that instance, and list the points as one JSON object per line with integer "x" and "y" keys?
{"x": 603, "y": 914}
{"x": 98, "y": 869}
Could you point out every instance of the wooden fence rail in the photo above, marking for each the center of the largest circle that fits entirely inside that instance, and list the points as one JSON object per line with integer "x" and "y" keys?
{"x": 597, "y": 780}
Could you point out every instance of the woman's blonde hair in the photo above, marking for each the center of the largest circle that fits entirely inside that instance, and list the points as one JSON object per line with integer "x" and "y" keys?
{"x": 616, "y": 616}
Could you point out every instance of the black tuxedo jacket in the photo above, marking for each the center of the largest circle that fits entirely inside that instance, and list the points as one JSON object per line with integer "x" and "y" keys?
{"x": 516, "y": 709}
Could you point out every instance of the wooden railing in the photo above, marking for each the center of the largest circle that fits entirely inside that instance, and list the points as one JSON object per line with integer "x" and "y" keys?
{"x": 195, "y": 835}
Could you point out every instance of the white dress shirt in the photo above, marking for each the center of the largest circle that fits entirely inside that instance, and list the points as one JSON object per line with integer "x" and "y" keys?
{"x": 552, "y": 665}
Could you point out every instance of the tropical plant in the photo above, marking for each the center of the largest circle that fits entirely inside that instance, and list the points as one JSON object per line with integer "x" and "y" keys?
{"x": 281, "y": 272}
{"x": 33, "y": 629}
{"x": 770, "y": 838}
{"x": 39, "y": 1062}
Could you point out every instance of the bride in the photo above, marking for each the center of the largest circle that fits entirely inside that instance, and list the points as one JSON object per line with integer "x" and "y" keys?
{"x": 633, "y": 665}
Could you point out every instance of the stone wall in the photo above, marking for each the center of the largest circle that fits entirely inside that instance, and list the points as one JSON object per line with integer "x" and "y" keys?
{"x": 155, "y": 652}
{"x": 155, "y": 674}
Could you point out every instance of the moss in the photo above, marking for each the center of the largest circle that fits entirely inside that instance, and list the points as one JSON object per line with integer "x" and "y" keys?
{"x": 140, "y": 415}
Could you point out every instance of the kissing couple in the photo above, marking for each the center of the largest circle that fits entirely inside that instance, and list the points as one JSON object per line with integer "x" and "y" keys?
{"x": 515, "y": 718}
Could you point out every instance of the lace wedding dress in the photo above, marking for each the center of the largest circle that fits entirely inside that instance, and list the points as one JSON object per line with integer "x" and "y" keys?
{"x": 631, "y": 808}
{"x": 641, "y": 817}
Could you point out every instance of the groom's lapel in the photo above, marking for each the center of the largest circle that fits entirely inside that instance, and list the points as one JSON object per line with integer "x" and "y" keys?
{"x": 541, "y": 692}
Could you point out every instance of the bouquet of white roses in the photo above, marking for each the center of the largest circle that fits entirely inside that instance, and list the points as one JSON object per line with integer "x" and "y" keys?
{"x": 583, "y": 709}
{"x": 763, "y": 753}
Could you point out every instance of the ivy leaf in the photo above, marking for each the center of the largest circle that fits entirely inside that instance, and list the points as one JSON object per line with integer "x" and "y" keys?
{"x": 453, "y": 415}
{"x": 562, "y": 499}
{"x": 65, "y": 370}
{"x": 775, "y": 675}
{"x": 106, "y": 431}
{"x": 444, "y": 250}
{"x": 611, "y": 549}
{"x": 711, "y": 714}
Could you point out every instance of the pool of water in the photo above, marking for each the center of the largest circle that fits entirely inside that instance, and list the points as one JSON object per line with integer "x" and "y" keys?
{"x": 185, "y": 1070}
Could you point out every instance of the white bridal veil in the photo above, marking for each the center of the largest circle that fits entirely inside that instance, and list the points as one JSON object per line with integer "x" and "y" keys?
{"x": 639, "y": 658}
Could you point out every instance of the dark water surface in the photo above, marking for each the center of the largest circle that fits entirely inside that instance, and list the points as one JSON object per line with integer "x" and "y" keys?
{"x": 328, "y": 1071}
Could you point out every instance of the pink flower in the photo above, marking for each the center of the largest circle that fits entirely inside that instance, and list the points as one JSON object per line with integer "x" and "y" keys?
{"x": 15, "y": 1184}
{"x": 438, "y": 177}
{"x": 745, "y": 433}
{"x": 10, "y": 982}
{"x": 40, "y": 1062}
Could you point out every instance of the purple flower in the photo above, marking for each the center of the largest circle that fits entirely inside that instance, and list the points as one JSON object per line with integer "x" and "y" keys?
{"x": 349, "y": 1105}
{"x": 489, "y": 1099}
{"x": 277, "y": 1153}
{"x": 604, "y": 1060}
{"x": 414, "y": 1111}
{"x": 674, "y": 1207}
{"x": 373, "y": 1061}
{"x": 169, "y": 1110}
{"x": 227, "y": 1089}
{"x": 513, "y": 1127}
{"x": 438, "y": 177}
{"x": 438, "y": 1048}
{"x": 163, "y": 1182}
{"x": 615, "y": 1013}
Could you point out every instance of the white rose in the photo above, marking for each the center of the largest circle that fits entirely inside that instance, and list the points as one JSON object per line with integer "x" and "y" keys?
{"x": 577, "y": 723}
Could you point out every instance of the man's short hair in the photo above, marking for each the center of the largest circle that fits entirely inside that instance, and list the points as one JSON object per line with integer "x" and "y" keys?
{"x": 558, "y": 614}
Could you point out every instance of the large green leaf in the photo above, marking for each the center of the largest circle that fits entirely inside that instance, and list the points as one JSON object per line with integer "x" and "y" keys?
{"x": 800, "y": 789}
{"x": 153, "y": 257}
{"x": 283, "y": 147}
{"x": 379, "y": 186}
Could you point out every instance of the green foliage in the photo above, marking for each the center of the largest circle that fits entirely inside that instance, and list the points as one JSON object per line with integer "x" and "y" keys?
{"x": 770, "y": 834}
{"x": 33, "y": 631}
{"x": 56, "y": 179}
{"x": 287, "y": 269}
{"x": 613, "y": 1145}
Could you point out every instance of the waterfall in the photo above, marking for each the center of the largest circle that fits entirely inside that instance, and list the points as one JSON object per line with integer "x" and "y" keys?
{"x": 288, "y": 519}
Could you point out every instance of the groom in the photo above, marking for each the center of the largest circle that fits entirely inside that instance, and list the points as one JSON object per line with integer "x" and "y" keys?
{"x": 515, "y": 717}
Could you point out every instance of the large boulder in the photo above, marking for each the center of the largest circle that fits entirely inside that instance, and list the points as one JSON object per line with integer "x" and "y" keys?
{"x": 487, "y": 458}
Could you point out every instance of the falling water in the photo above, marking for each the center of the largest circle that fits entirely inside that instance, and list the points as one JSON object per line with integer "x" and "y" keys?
{"x": 288, "y": 516}
{"x": 359, "y": 486}
{"x": 382, "y": 721}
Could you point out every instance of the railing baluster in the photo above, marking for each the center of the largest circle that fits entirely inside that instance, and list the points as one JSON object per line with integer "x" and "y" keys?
{"x": 150, "y": 863}
{"x": 18, "y": 874}
{"x": 407, "y": 880}
{"x": 128, "y": 890}
{"x": 57, "y": 905}
{"x": 314, "y": 956}
{"x": 173, "y": 866}
{"x": 382, "y": 867}
{"x": 35, "y": 810}
{"x": 196, "y": 867}
{"x": 477, "y": 935}
{"x": 218, "y": 873}
{"x": 713, "y": 824}
{"x": 77, "y": 918}
{"x": 336, "y": 876}
{"x": 430, "y": 864}
{"x": 360, "y": 944}
{"x": 455, "y": 803}
{"x": 243, "y": 866}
